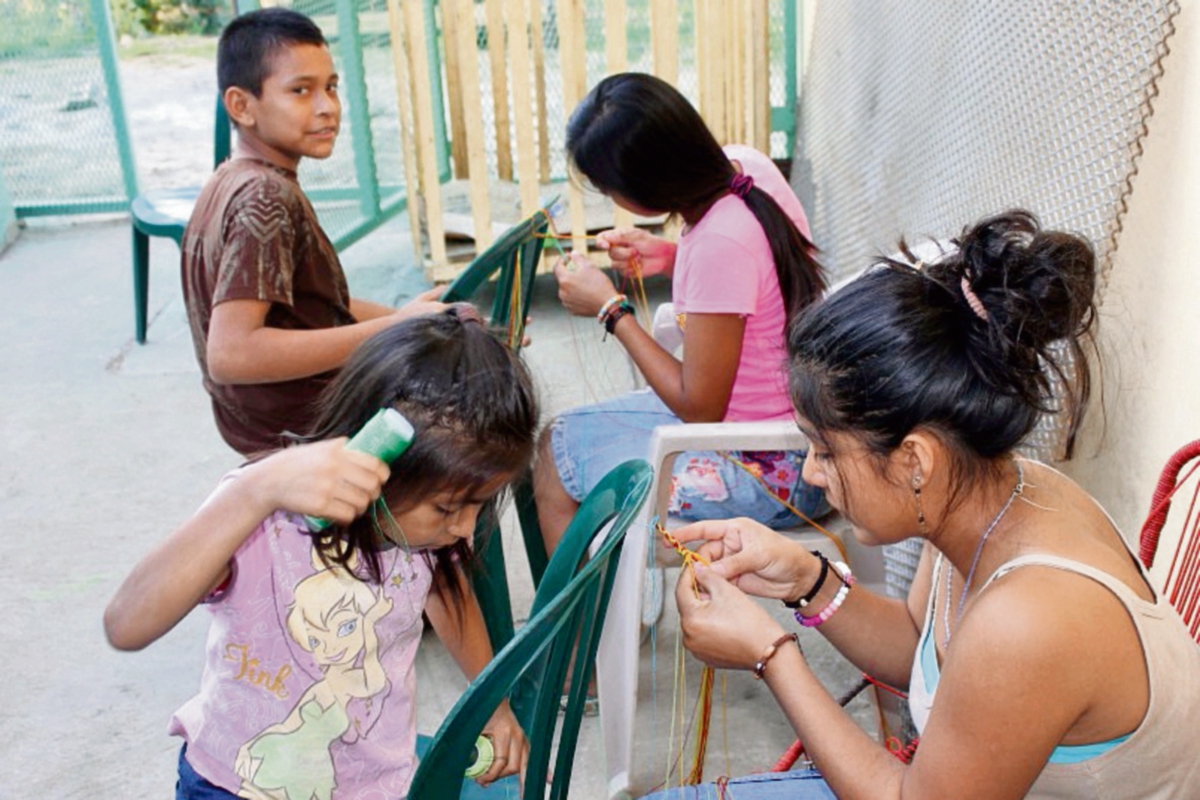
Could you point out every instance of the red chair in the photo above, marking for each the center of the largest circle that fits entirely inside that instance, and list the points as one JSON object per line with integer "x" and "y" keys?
{"x": 1182, "y": 584}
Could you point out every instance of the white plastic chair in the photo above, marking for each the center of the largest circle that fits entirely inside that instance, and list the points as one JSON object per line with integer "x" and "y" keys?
{"x": 620, "y": 642}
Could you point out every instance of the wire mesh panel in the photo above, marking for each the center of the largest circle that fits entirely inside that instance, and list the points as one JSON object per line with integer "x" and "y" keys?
{"x": 60, "y": 149}
{"x": 363, "y": 182}
{"x": 918, "y": 117}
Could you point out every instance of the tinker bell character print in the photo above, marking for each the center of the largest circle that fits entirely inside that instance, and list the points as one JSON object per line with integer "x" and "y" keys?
{"x": 333, "y": 617}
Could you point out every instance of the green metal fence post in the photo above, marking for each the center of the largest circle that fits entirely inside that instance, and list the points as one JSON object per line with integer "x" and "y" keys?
{"x": 102, "y": 20}
{"x": 440, "y": 144}
{"x": 355, "y": 81}
{"x": 783, "y": 118}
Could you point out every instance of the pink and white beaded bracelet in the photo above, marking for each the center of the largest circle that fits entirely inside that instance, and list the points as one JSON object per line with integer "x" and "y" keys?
{"x": 843, "y": 571}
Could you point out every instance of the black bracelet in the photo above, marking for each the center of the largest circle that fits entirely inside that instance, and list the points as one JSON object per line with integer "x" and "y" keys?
{"x": 610, "y": 320}
{"x": 816, "y": 587}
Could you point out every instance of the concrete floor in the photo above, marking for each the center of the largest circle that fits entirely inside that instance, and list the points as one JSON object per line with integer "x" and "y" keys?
{"x": 106, "y": 446}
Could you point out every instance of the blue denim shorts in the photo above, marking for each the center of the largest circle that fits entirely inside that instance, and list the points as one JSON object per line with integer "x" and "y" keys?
{"x": 803, "y": 784}
{"x": 191, "y": 786}
{"x": 588, "y": 441}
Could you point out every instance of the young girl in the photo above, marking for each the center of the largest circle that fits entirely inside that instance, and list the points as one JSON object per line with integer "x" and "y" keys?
{"x": 309, "y": 684}
{"x": 741, "y": 271}
{"x": 1039, "y": 661}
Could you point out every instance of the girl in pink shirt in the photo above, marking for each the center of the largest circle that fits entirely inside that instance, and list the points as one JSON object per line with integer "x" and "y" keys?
{"x": 743, "y": 268}
{"x": 309, "y": 683}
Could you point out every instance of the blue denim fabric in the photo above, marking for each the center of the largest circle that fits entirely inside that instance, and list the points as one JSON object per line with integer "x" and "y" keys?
{"x": 191, "y": 786}
{"x": 588, "y": 441}
{"x": 804, "y": 784}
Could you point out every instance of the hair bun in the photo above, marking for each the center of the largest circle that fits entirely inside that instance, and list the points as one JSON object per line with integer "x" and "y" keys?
{"x": 1036, "y": 285}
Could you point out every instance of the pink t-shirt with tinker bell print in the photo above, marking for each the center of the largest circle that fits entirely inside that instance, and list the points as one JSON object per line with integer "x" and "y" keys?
{"x": 308, "y": 686}
{"x": 723, "y": 265}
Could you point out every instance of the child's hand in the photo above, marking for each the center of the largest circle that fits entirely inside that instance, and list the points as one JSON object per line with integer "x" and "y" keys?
{"x": 582, "y": 288}
{"x": 322, "y": 479}
{"x": 509, "y": 744}
{"x": 635, "y": 251}
{"x": 426, "y": 302}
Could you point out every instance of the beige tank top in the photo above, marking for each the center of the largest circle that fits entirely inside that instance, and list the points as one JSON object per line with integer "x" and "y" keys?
{"x": 1161, "y": 759}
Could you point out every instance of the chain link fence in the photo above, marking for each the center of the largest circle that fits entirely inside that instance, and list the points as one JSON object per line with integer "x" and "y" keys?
{"x": 919, "y": 117}
{"x": 64, "y": 148}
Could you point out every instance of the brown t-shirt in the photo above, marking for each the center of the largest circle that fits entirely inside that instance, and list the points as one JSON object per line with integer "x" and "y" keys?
{"x": 254, "y": 235}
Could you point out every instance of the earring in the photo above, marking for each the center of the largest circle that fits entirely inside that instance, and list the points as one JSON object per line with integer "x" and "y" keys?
{"x": 916, "y": 487}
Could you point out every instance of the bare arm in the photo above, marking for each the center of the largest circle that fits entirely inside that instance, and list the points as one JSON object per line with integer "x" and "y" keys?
{"x": 323, "y": 479}
{"x": 243, "y": 350}
{"x": 1030, "y": 666}
{"x": 877, "y": 634}
{"x": 696, "y": 389}
{"x": 467, "y": 641}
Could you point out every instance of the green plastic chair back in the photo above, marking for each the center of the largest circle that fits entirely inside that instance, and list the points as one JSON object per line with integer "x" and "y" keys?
{"x": 513, "y": 259}
{"x": 562, "y": 633}
{"x": 165, "y": 213}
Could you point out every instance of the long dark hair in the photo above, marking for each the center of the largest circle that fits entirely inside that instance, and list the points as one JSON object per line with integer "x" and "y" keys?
{"x": 901, "y": 348}
{"x": 473, "y": 407}
{"x": 637, "y": 137}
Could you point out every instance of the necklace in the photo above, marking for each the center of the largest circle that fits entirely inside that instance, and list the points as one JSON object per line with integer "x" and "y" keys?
{"x": 962, "y": 598}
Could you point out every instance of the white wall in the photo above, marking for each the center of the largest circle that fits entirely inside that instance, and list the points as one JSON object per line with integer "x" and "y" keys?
{"x": 1150, "y": 315}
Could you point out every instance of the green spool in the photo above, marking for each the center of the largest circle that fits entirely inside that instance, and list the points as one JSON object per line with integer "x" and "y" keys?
{"x": 484, "y": 755}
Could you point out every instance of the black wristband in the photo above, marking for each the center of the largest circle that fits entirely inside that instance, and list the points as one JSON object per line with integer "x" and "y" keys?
{"x": 816, "y": 587}
{"x": 610, "y": 321}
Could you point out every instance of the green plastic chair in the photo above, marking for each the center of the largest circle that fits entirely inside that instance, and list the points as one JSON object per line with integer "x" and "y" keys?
{"x": 562, "y": 633}
{"x": 165, "y": 212}
{"x": 513, "y": 259}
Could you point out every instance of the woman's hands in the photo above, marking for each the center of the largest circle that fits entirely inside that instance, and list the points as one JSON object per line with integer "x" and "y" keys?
{"x": 634, "y": 251}
{"x": 509, "y": 743}
{"x": 753, "y": 558}
{"x": 582, "y": 287}
{"x": 721, "y": 625}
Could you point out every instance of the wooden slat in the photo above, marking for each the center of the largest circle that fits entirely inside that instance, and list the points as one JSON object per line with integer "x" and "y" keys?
{"x": 468, "y": 58}
{"x": 760, "y": 76}
{"x": 499, "y": 69}
{"x": 430, "y": 184}
{"x": 454, "y": 100}
{"x": 736, "y": 91}
{"x": 538, "y": 42}
{"x": 571, "y": 50}
{"x": 404, "y": 111}
{"x": 524, "y": 108}
{"x": 616, "y": 59}
{"x": 664, "y": 33}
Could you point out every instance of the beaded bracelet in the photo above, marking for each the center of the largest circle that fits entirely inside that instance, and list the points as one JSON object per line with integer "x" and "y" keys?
{"x": 843, "y": 571}
{"x": 804, "y": 600}
{"x": 760, "y": 666}
{"x": 615, "y": 300}
{"x": 614, "y": 315}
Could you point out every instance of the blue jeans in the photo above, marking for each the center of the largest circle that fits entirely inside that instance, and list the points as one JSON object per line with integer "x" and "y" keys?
{"x": 590, "y": 440}
{"x": 804, "y": 784}
{"x": 191, "y": 786}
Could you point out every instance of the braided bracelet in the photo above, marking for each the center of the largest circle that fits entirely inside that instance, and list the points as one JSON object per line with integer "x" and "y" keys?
{"x": 847, "y": 579}
{"x": 615, "y": 300}
{"x": 760, "y": 666}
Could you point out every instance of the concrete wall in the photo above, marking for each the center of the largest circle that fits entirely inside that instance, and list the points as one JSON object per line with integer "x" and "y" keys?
{"x": 1150, "y": 316}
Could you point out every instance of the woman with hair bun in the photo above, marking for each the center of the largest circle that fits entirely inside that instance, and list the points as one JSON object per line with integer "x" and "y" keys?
{"x": 1037, "y": 658}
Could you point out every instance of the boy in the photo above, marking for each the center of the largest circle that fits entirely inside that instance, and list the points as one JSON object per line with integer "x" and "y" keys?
{"x": 271, "y": 315}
